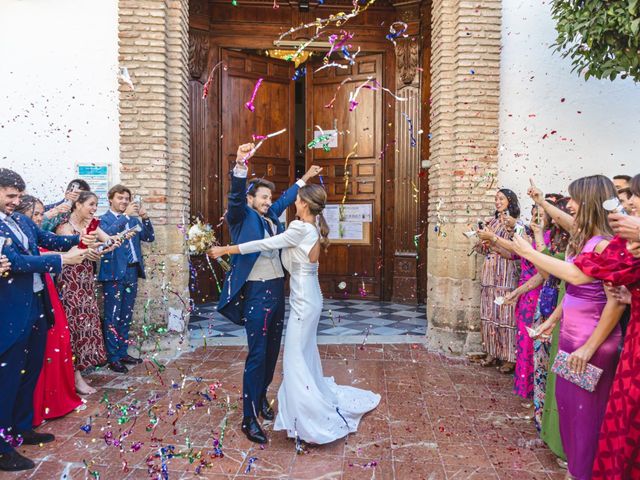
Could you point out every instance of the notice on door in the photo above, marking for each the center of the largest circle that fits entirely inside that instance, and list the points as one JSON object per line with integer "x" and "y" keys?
{"x": 349, "y": 223}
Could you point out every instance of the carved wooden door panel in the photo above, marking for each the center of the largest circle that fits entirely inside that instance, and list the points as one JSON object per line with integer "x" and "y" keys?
{"x": 274, "y": 110}
{"x": 353, "y": 266}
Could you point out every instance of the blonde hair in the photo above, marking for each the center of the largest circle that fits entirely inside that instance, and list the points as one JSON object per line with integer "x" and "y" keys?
{"x": 316, "y": 198}
{"x": 589, "y": 193}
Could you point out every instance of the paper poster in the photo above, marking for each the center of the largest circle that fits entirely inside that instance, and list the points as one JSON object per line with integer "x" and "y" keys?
{"x": 97, "y": 176}
{"x": 357, "y": 212}
{"x": 346, "y": 231}
{"x": 332, "y": 141}
{"x": 347, "y": 221}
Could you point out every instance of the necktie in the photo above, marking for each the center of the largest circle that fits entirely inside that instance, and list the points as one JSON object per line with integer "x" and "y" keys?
{"x": 268, "y": 225}
{"x": 18, "y": 231}
{"x": 130, "y": 255}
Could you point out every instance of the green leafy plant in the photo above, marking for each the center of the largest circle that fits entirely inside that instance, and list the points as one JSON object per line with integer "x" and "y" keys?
{"x": 602, "y": 37}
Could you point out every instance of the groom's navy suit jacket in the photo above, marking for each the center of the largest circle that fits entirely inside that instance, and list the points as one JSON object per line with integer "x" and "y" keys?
{"x": 16, "y": 289}
{"x": 246, "y": 225}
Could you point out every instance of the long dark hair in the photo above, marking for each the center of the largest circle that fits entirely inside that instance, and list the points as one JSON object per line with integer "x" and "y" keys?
{"x": 82, "y": 198}
{"x": 28, "y": 204}
{"x": 513, "y": 206}
{"x": 559, "y": 237}
{"x": 589, "y": 193}
{"x": 316, "y": 197}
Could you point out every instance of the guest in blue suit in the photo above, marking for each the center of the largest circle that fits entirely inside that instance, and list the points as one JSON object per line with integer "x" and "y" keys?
{"x": 23, "y": 318}
{"x": 253, "y": 292}
{"x": 119, "y": 273}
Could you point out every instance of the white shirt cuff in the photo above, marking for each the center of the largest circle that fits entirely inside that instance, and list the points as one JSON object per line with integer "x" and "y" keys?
{"x": 301, "y": 183}
{"x": 240, "y": 172}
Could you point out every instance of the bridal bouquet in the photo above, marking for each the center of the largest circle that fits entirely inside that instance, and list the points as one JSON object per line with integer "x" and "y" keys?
{"x": 201, "y": 237}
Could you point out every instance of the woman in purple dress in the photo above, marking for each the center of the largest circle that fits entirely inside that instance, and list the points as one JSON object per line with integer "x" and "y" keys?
{"x": 589, "y": 329}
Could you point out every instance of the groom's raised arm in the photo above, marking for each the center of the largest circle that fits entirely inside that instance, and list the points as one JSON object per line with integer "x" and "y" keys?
{"x": 289, "y": 196}
{"x": 237, "y": 198}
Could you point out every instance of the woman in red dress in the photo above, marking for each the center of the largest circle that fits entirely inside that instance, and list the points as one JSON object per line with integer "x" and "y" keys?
{"x": 55, "y": 394}
{"x": 618, "y": 455}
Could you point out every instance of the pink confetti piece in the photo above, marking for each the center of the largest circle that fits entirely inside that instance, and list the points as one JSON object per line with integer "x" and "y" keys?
{"x": 250, "y": 106}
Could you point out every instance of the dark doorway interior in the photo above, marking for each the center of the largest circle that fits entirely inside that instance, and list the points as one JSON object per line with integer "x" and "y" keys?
{"x": 300, "y": 120}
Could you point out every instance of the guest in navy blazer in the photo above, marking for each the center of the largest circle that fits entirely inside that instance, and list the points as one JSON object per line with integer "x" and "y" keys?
{"x": 23, "y": 318}
{"x": 253, "y": 292}
{"x": 119, "y": 273}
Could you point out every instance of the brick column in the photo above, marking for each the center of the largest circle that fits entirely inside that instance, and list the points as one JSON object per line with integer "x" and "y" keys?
{"x": 154, "y": 145}
{"x": 465, "y": 75}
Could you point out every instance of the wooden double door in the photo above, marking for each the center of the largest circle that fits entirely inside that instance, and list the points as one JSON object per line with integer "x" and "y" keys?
{"x": 353, "y": 265}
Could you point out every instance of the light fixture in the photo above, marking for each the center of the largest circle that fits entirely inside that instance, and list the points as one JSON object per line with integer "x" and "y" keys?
{"x": 298, "y": 43}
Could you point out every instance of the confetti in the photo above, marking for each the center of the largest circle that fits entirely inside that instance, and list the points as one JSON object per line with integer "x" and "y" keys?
{"x": 207, "y": 85}
{"x": 259, "y": 144}
{"x": 413, "y": 141}
{"x": 299, "y": 73}
{"x": 124, "y": 76}
{"x": 250, "y": 106}
{"x": 330, "y": 104}
{"x": 396, "y": 30}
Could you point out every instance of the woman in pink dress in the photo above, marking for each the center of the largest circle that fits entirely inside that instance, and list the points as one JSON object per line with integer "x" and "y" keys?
{"x": 55, "y": 393}
{"x": 589, "y": 329}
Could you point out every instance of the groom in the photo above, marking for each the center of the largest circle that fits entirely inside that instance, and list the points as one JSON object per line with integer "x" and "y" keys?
{"x": 253, "y": 292}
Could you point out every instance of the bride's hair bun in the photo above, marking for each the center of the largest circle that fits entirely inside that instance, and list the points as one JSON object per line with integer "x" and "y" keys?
{"x": 316, "y": 198}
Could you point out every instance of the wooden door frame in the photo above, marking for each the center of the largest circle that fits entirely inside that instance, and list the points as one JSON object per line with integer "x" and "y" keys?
{"x": 386, "y": 235}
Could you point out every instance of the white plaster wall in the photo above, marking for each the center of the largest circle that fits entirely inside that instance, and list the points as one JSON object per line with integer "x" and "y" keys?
{"x": 58, "y": 89}
{"x": 597, "y": 125}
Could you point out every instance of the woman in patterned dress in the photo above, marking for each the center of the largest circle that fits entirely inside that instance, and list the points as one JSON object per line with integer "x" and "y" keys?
{"x": 500, "y": 275}
{"x": 77, "y": 288}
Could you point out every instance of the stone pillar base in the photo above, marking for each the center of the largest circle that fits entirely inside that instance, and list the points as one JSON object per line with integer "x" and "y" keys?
{"x": 450, "y": 342}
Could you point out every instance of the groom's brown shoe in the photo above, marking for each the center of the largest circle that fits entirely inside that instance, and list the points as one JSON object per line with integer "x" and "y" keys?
{"x": 265, "y": 410}
{"x": 251, "y": 428}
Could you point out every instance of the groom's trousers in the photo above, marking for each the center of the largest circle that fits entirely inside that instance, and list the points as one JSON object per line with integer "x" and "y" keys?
{"x": 263, "y": 308}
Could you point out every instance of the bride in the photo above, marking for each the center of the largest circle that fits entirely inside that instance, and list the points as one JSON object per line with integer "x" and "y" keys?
{"x": 311, "y": 406}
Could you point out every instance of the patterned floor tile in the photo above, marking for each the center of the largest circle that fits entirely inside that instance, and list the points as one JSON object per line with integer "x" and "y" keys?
{"x": 388, "y": 331}
{"x": 339, "y": 318}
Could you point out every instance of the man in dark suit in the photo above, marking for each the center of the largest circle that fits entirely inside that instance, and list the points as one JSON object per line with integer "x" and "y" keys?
{"x": 24, "y": 318}
{"x": 253, "y": 292}
{"x": 119, "y": 273}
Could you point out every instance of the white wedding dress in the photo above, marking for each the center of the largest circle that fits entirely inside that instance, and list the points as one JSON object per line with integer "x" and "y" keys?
{"x": 310, "y": 405}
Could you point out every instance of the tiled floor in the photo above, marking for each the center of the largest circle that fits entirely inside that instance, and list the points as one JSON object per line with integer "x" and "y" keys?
{"x": 438, "y": 419}
{"x": 339, "y": 318}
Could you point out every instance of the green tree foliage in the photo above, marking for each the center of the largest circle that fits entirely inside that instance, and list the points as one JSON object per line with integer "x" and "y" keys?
{"x": 602, "y": 37}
